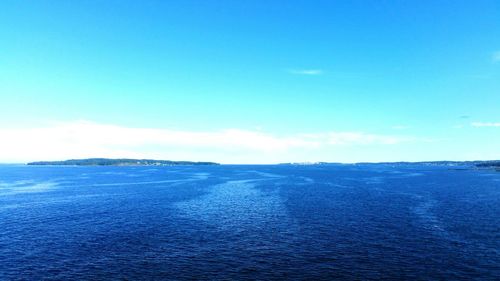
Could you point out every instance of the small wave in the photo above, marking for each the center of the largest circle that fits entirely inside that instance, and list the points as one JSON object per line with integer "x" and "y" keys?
{"x": 431, "y": 222}
{"x": 304, "y": 181}
{"x": 112, "y": 173}
{"x": 20, "y": 188}
{"x": 264, "y": 174}
{"x": 139, "y": 183}
{"x": 201, "y": 176}
{"x": 11, "y": 206}
{"x": 236, "y": 202}
{"x": 150, "y": 182}
{"x": 374, "y": 180}
{"x": 134, "y": 175}
{"x": 367, "y": 180}
{"x": 6, "y": 185}
{"x": 150, "y": 170}
{"x": 408, "y": 175}
{"x": 50, "y": 201}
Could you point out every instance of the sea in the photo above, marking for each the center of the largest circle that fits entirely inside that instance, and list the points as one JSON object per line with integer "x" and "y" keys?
{"x": 249, "y": 222}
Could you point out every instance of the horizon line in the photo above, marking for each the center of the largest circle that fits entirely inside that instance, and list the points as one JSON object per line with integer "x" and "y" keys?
{"x": 263, "y": 164}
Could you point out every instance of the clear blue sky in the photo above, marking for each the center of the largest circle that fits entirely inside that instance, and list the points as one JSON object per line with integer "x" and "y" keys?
{"x": 394, "y": 80}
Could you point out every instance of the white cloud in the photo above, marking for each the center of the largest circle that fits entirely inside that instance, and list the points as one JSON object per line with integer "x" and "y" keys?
{"x": 83, "y": 139}
{"x": 485, "y": 124}
{"x": 496, "y": 56}
{"x": 306, "y": 71}
{"x": 353, "y": 138}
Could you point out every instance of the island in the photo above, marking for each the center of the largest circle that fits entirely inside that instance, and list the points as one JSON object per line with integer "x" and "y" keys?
{"x": 119, "y": 162}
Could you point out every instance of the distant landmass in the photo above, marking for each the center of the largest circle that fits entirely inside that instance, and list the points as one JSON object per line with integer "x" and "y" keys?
{"x": 490, "y": 164}
{"x": 119, "y": 162}
{"x": 479, "y": 164}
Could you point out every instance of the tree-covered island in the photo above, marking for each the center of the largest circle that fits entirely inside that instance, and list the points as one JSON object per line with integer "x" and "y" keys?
{"x": 119, "y": 162}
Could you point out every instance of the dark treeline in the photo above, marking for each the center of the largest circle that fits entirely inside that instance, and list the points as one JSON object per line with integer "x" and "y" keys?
{"x": 489, "y": 164}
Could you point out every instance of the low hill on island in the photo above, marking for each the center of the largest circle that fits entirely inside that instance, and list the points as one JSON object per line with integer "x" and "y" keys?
{"x": 119, "y": 162}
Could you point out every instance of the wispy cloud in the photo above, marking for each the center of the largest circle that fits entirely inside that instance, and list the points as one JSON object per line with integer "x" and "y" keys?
{"x": 485, "y": 124}
{"x": 82, "y": 139}
{"x": 357, "y": 138}
{"x": 306, "y": 71}
{"x": 496, "y": 56}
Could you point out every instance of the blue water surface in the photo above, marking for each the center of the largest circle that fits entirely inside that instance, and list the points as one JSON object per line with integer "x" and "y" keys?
{"x": 317, "y": 222}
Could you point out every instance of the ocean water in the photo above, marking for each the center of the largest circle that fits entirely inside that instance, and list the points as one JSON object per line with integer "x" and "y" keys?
{"x": 352, "y": 222}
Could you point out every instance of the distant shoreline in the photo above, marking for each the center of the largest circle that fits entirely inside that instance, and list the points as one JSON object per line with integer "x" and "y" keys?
{"x": 478, "y": 164}
{"x": 118, "y": 162}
